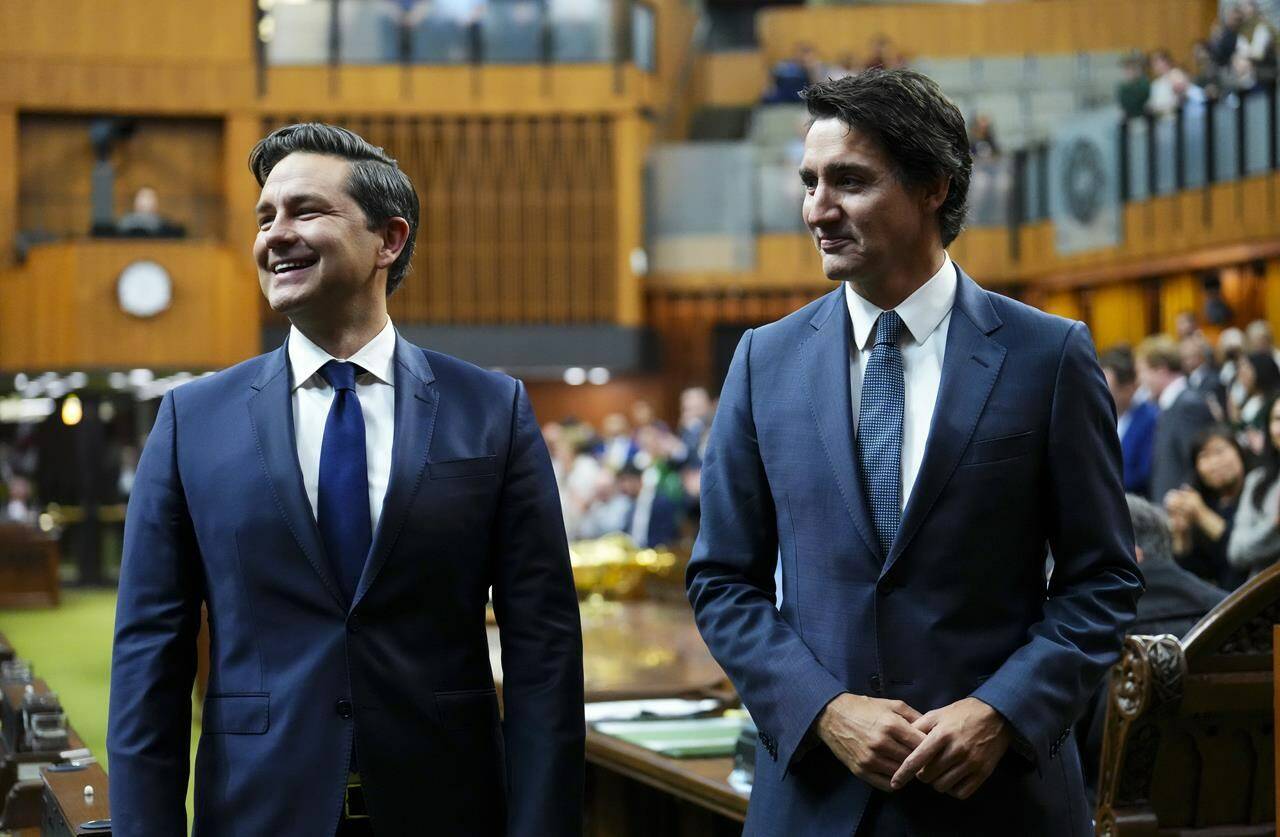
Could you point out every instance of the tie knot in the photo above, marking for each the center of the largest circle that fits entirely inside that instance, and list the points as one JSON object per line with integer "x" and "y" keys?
{"x": 888, "y": 329}
{"x": 340, "y": 374}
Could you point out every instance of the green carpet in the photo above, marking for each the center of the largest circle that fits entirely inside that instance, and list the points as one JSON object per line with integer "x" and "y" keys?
{"x": 69, "y": 647}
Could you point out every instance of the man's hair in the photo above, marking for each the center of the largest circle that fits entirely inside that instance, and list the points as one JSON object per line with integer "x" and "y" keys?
{"x": 1150, "y": 529}
{"x": 1120, "y": 362}
{"x": 376, "y": 183}
{"x": 915, "y": 125}
{"x": 1160, "y": 351}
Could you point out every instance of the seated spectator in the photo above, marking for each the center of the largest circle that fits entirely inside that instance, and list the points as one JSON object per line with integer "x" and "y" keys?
{"x": 1254, "y": 544}
{"x": 653, "y": 518}
{"x": 845, "y": 66}
{"x": 1256, "y": 44}
{"x": 1230, "y": 348}
{"x": 1136, "y": 420}
{"x": 1205, "y": 72}
{"x": 618, "y": 446}
{"x": 18, "y": 507}
{"x": 1135, "y": 88}
{"x": 1224, "y": 37}
{"x": 1258, "y": 338}
{"x": 1161, "y": 100}
{"x": 695, "y": 422}
{"x": 1172, "y": 602}
{"x": 792, "y": 75}
{"x": 1259, "y": 381}
{"x": 1202, "y": 513}
{"x": 982, "y": 139}
{"x": 145, "y": 219}
{"x": 1202, "y": 376}
{"x": 1183, "y": 413}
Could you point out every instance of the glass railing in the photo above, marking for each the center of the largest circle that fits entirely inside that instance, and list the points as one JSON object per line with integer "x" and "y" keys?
{"x": 355, "y": 32}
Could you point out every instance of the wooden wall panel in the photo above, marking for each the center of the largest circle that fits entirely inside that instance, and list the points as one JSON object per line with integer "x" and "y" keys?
{"x": 1118, "y": 314}
{"x": 518, "y": 216}
{"x": 8, "y": 183}
{"x": 1011, "y": 28}
{"x": 556, "y": 401}
{"x": 180, "y": 158}
{"x": 59, "y": 310}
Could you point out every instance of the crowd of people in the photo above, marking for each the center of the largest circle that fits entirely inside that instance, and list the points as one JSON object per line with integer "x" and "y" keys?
{"x": 1199, "y": 425}
{"x": 1238, "y": 57}
{"x": 804, "y": 67}
{"x": 634, "y": 474}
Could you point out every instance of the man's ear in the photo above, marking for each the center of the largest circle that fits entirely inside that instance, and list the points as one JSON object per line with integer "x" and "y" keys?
{"x": 395, "y": 236}
{"x": 935, "y": 194}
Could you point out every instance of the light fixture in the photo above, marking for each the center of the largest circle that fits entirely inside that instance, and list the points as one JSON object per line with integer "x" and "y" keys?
{"x": 77, "y": 380}
{"x": 575, "y": 376}
{"x": 598, "y": 375}
{"x": 141, "y": 377}
{"x": 72, "y": 410}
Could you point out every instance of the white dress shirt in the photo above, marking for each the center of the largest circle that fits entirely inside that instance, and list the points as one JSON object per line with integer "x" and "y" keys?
{"x": 312, "y": 397}
{"x": 927, "y": 317}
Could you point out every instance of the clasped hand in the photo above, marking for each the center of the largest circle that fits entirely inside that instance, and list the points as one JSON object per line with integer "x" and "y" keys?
{"x": 886, "y": 743}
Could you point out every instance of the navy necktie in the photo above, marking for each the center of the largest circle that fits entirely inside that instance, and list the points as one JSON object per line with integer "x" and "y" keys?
{"x": 342, "y": 502}
{"x": 880, "y": 429}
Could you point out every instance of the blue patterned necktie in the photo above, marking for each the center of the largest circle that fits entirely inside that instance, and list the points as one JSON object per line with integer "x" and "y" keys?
{"x": 880, "y": 429}
{"x": 342, "y": 502}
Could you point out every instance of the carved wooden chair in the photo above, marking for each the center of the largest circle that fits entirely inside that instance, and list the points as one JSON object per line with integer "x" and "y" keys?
{"x": 1188, "y": 742}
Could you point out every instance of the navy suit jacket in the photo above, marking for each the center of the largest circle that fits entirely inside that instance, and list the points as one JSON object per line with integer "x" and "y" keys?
{"x": 1022, "y": 455}
{"x": 1137, "y": 446}
{"x": 219, "y": 515}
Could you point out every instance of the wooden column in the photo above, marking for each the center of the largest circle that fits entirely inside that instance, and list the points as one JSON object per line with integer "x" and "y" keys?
{"x": 629, "y": 196}
{"x": 8, "y": 183}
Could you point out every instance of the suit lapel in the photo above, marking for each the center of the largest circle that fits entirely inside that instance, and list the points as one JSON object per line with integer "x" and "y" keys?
{"x": 416, "y": 402}
{"x": 271, "y": 415}
{"x": 825, "y": 359}
{"x": 970, "y": 367}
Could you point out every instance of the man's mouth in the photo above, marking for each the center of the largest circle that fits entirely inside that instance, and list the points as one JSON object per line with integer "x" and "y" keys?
{"x": 291, "y": 265}
{"x": 830, "y": 245}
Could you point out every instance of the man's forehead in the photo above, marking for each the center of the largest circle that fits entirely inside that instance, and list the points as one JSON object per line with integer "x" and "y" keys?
{"x": 832, "y": 142}
{"x": 303, "y": 172}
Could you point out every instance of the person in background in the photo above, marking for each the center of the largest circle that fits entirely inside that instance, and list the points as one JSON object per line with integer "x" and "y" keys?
{"x": 1136, "y": 420}
{"x": 1173, "y": 602}
{"x": 1254, "y": 544}
{"x": 1230, "y": 348}
{"x": 652, "y": 518}
{"x": 1224, "y": 37}
{"x": 145, "y": 218}
{"x": 1258, "y": 380}
{"x": 618, "y": 445}
{"x": 1202, "y": 513}
{"x": 18, "y": 507}
{"x": 1257, "y": 45}
{"x": 1202, "y": 375}
{"x": 695, "y": 421}
{"x": 1259, "y": 338}
{"x": 1162, "y": 100}
{"x": 982, "y": 139}
{"x": 1183, "y": 413}
{"x": 1135, "y": 88}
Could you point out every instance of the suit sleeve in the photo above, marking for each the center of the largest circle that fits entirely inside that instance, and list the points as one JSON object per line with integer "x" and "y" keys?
{"x": 730, "y": 579}
{"x": 153, "y": 660}
{"x": 1094, "y": 588}
{"x": 537, "y": 610}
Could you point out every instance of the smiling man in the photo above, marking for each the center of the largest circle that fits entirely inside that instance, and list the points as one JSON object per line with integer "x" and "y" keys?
{"x": 342, "y": 506}
{"x": 910, "y": 447}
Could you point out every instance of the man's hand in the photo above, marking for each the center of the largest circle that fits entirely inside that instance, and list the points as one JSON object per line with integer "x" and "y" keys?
{"x": 870, "y": 736}
{"x": 963, "y": 743}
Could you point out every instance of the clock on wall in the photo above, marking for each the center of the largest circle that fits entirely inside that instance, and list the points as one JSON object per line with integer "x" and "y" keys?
{"x": 144, "y": 289}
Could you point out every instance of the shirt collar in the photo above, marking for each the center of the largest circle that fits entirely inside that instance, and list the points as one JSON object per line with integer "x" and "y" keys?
{"x": 921, "y": 312}
{"x": 377, "y": 357}
{"x": 1172, "y": 391}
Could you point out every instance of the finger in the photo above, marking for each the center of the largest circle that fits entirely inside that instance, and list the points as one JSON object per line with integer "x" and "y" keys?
{"x": 893, "y": 750}
{"x": 969, "y": 786}
{"x": 907, "y": 734}
{"x": 943, "y": 762}
{"x": 919, "y": 757}
{"x": 907, "y": 712}
{"x": 950, "y": 779}
{"x": 926, "y": 722}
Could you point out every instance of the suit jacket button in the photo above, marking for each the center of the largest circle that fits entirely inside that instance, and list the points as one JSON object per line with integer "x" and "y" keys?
{"x": 875, "y": 683}
{"x": 886, "y": 588}
{"x": 344, "y": 709}
{"x": 353, "y": 625}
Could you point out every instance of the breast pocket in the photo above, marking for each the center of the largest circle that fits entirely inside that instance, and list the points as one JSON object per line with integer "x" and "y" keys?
{"x": 480, "y": 466}
{"x": 999, "y": 448}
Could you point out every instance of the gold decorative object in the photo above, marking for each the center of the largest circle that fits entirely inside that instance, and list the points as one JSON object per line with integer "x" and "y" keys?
{"x": 613, "y": 567}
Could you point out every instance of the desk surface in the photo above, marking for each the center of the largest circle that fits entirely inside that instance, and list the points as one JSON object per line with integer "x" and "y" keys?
{"x": 68, "y": 791}
{"x": 650, "y": 649}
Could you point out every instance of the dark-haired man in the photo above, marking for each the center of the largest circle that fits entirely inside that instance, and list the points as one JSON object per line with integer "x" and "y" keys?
{"x": 910, "y": 446}
{"x": 343, "y": 505}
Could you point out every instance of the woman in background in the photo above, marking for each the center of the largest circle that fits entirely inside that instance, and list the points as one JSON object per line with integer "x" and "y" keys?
{"x": 1202, "y": 514}
{"x": 1254, "y": 543}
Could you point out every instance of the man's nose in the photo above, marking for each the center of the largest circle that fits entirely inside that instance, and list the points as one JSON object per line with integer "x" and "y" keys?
{"x": 821, "y": 206}
{"x": 281, "y": 234}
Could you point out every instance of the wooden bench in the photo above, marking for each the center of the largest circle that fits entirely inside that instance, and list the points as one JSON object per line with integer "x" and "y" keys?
{"x": 28, "y": 567}
{"x": 1188, "y": 745}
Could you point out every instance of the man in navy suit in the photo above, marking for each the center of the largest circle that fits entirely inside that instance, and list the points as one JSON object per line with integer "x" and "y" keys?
{"x": 343, "y": 506}
{"x": 1136, "y": 424}
{"x": 911, "y": 447}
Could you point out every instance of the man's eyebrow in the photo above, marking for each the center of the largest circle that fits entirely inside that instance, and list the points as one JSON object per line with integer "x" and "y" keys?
{"x": 294, "y": 200}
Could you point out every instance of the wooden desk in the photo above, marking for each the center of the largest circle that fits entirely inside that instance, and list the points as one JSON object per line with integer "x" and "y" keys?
{"x": 28, "y": 566}
{"x": 643, "y": 650}
{"x": 65, "y": 805}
